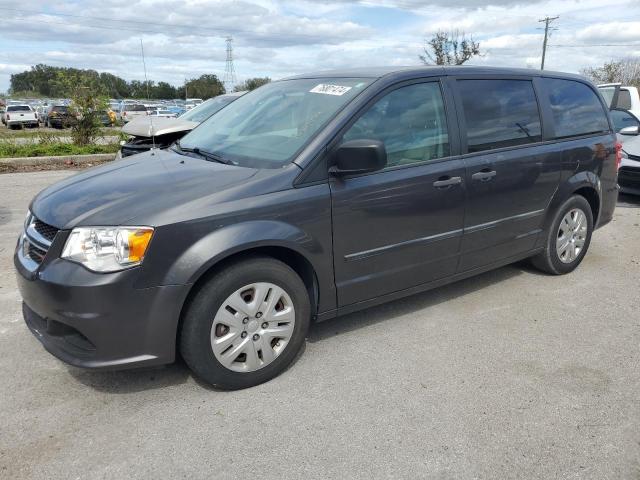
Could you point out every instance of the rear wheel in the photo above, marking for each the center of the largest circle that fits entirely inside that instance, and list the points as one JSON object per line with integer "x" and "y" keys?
{"x": 246, "y": 324}
{"x": 568, "y": 238}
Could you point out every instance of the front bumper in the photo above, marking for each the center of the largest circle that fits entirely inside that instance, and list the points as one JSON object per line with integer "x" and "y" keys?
{"x": 629, "y": 176}
{"x": 98, "y": 321}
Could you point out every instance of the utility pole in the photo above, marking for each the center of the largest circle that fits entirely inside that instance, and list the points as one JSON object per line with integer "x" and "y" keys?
{"x": 547, "y": 21}
{"x": 229, "y": 70}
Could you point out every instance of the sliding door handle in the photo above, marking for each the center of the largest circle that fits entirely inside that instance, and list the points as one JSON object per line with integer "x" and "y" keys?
{"x": 484, "y": 175}
{"x": 446, "y": 182}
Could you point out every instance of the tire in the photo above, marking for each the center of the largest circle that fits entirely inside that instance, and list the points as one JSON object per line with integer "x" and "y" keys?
{"x": 555, "y": 259}
{"x": 210, "y": 319}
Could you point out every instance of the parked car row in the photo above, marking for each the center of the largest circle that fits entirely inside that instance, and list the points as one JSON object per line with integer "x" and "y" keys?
{"x": 624, "y": 104}
{"x": 121, "y": 111}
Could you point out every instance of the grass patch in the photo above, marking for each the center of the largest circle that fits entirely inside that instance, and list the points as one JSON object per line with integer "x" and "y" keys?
{"x": 6, "y": 133}
{"x": 47, "y": 149}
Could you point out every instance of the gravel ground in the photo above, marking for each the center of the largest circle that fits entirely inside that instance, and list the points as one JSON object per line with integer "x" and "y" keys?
{"x": 511, "y": 374}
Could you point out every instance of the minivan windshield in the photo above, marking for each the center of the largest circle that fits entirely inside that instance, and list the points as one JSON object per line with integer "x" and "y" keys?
{"x": 268, "y": 126}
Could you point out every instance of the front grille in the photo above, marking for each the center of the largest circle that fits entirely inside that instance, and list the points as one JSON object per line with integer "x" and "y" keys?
{"x": 34, "y": 253}
{"x": 47, "y": 231}
{"x": 36, "y": 242}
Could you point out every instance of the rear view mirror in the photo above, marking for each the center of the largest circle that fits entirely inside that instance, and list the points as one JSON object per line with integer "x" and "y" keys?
{"x": 358, "y": 156}
{"x": 633, "y": 130}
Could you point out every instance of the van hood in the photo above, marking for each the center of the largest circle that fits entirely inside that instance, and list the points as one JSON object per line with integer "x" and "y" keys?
{"x": 149, "y": 126}
{"x": 137, "y": 187}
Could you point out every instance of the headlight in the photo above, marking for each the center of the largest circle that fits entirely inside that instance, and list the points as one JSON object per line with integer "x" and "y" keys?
{"x": 107, "y": 249}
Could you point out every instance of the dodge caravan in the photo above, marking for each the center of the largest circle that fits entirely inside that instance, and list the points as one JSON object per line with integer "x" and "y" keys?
{"x": 308, "y": 198}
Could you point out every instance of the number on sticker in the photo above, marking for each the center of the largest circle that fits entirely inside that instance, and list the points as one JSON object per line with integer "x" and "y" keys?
{"x": 328, "y": 89}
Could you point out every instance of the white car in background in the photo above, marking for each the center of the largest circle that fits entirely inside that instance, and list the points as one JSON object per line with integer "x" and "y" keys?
{"x": 162, "y": 113}
{"x": 129, "y": 111}
{"x": 20, "y": 116}
{"x": 627, "y": 126}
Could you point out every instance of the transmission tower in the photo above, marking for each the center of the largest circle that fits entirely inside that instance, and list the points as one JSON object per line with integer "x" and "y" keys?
{"x": 229, "y": 70}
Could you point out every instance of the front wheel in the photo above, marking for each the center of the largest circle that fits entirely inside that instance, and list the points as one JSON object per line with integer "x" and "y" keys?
{"x": 246, "y": 324}
{"x": 568, "y": 238}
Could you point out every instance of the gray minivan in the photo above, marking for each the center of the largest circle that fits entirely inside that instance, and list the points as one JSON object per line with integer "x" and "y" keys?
{"x": 308, "y": 198}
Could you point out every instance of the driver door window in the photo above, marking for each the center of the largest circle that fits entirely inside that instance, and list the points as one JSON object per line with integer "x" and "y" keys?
{"x": 411, "y": 123}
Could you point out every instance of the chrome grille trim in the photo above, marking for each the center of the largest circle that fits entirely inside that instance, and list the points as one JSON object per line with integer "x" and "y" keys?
{"x": 35, "y": 243}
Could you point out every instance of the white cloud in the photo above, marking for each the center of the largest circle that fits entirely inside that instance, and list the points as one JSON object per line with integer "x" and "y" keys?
{"x": 184, "y": 38}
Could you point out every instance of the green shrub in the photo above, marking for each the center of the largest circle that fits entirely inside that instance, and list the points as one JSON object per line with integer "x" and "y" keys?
{"x": 12, "y": 149}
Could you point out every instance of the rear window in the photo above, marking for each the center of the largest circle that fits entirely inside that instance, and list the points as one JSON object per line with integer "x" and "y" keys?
{"x": 60, "y": 108}
{"x": 499, "y": 113}
{"x": 624, "y": 100}
{"x": 576, "y": 108}
{"x": 19, "y": 108}
{"x": 135, "y": 108}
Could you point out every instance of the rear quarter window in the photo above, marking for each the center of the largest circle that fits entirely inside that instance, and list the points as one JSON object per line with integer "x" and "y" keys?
{"x": 575, "y": 107}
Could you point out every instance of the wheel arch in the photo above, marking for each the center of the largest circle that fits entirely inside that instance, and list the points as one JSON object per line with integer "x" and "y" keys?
{"x": 294, "y": 259}
{"x": 586, "y": 184}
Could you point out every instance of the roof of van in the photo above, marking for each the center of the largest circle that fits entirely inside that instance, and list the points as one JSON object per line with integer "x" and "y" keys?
{"x": 378, "y": 72}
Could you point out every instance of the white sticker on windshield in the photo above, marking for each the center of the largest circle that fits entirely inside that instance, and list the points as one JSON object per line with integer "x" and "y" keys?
{"x": 330, "y": 89}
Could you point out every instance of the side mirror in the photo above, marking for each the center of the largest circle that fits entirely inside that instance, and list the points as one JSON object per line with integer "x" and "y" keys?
{"x": 358, "y": 156}
{"x": 634, "y": 130}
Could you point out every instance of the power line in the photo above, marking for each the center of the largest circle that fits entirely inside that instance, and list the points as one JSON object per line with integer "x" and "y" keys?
{"x": 547, "y": 21}
{"x": 598, "y": 45}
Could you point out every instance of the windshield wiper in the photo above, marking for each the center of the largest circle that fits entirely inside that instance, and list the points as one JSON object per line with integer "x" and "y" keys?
{"x": 204, "y": 154}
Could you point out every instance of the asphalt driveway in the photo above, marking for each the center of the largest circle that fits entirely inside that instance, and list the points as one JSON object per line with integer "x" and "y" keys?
{"x": 512, "y": 374}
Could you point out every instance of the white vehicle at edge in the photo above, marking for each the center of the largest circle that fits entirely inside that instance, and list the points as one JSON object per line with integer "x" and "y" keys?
{"x": 628, "y": 97}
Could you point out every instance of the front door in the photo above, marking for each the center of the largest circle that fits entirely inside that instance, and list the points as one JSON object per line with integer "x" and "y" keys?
{"x": 401, "y": 226}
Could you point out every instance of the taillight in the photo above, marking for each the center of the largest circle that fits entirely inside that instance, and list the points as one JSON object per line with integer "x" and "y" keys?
{"x": 124, "y": 114}
{"x": 618, "y": 154}
{"x": 8, "y": 117}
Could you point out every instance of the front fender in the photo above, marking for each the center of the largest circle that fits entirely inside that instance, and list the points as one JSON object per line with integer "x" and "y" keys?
{"x": 229, "y": 240}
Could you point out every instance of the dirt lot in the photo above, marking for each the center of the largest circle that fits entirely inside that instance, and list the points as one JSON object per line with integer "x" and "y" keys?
{"x": 512, "y": 374}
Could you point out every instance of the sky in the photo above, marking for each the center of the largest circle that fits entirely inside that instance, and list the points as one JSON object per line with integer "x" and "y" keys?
{"x": 186, "y": 38}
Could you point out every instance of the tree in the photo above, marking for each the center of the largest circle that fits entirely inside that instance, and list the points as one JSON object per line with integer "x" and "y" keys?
{"x": 252, "y": 83}
{"x": 625, "y": 71}
{"x": 164, "y": 90}
{"x": 205, "y": 86}
{"x": 449, "y": 48}
{"x": 47, "y": 81}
